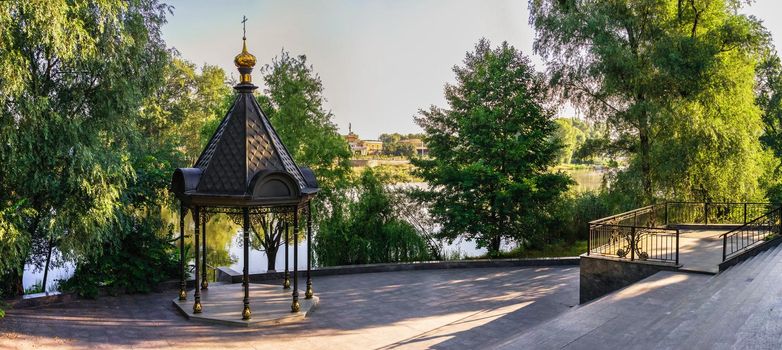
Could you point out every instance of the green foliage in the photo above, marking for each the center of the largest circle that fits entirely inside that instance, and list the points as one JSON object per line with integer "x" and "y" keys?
{"x": 673, "y": 80}
{"x": 393, "y": 144}
{"x": 37, "y": 287}
{"x": 573, "y": 134}
{"x": 571, "y": 216}
{"x": 187, "y": 107}
{"x": 491, "y": 150}
{"x": 769, "y": 99}
{"x": 135, "y": 262}
{"x": 14, "y": 244}
{"x": 368, "y": 229}
{"x": 73, "y": 76}
{"x": 553, "y": 250}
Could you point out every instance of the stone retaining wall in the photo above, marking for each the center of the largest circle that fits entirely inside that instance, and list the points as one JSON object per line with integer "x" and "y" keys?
{"x": 603, "y": 275}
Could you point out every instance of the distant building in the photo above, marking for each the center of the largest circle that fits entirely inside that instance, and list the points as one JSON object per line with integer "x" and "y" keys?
{"x": 373, "y": 146}
{"x": 362, "y": 147}
{"x": 419, "y": 147}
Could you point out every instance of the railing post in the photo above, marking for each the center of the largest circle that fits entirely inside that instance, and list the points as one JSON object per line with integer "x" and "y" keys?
{"x": 677, "y": 246}
{"x": 632, "y": 243}
{"x": 745, "y": 213}
{"x": 635, "y": 218}
{"x": 589, "y": 240}
{"x": 706, "y": 212}
{"x": 666, "y": 213}
{"x": 724, "y": 246}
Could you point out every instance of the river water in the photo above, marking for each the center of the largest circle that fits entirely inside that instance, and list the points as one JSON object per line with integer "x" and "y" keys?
{"x": 224, "y": 247}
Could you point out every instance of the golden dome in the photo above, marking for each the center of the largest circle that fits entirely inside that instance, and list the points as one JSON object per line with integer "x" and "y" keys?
{"x": 244, "y": 59}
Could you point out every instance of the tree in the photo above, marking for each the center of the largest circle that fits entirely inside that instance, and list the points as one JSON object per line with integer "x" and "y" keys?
{"x": 570, "y": 137}
{"x": 393, "y": 145}
{"x": 73, "y": 75}
{"x": 186, "y": 106}
{"x": 673, "y": 79}
{"x": 769, "y": 99}
{"x": 293, "y": 101}
{"x": 490, "y": 151}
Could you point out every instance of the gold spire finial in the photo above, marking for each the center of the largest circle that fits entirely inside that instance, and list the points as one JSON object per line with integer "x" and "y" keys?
{"x": 245, "y": 61}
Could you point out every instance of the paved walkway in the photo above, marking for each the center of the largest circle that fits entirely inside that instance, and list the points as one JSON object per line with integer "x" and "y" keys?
{"x": 701, "y": 250}
{"x": 442, "y": 309}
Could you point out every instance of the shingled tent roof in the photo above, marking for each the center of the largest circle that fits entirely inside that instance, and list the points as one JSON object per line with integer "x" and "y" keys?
{"x": 245, "y": 163}
{"x": 244, "y": 144}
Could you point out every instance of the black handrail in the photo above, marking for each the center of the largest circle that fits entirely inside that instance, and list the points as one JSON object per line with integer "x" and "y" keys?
{"x": 752, "y": 232}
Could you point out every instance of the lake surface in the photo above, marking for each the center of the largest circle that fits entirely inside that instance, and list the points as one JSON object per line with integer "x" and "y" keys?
{"x": 586, "y": 179}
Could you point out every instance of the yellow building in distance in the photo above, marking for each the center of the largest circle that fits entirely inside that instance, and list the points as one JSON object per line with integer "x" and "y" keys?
{"x": 362, "y": 147}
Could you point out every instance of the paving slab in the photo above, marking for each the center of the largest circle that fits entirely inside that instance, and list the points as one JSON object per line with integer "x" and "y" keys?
{"x": 428, "y": 309}
{"x": 269, "y": 304}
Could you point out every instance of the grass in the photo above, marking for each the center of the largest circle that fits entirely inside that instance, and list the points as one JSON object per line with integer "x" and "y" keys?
{"x": 554, "y": 250}
{"x": 566, "y": 167}
{"x": 37, "y": 287}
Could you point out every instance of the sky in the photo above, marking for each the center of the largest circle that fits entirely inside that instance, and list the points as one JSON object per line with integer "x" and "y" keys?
{"x": 380, "y": 61}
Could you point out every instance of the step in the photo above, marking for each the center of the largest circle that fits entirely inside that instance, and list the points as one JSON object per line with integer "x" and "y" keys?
{"x": 761, "y": 309}
{"x": 686, "y": 317}
{"x": 732, "y": 311}
{"x": 689, "y": 322}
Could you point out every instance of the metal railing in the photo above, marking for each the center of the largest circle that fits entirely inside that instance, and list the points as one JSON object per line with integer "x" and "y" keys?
{"x": 751, "y": 233}
{"x": 650, "y": 233}
{"x": 700, "y": 213}
{"x": 634, "y": 243}
{"x": 635, "y": 235}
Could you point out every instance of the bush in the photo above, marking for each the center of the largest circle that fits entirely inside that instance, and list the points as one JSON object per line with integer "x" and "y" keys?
{"x": 571, "y": 217}
{"x": 368, "y": 230}
{"x": 136, "y": 263}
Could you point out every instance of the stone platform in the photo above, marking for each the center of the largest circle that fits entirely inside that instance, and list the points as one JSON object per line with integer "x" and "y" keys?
{"x": 222, "y": 303}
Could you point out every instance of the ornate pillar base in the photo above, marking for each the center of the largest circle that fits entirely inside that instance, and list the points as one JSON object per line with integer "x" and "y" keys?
{"x": 197, "y": 307}
{"x": 295, "y": 306}
{"x": 286, "y": 284}
{"x": 246, "y": 313}
{"x": 204, "y": 284}
{"x": 308, "y": 293}
{"x": 182, "y": 294}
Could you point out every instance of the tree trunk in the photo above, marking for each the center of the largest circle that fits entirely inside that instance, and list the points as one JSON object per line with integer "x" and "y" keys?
{"x": 46, "y": 266}
{"x": 646, "y": 167}
{"x": 271, "y": 258}
{"x": 494, "y": 248}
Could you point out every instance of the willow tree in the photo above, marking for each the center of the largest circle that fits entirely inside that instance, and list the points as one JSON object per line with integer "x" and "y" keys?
{"x": 490, "y": 151}
{"x": 673, "y": 79}
{"x": 73, "y": 75}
